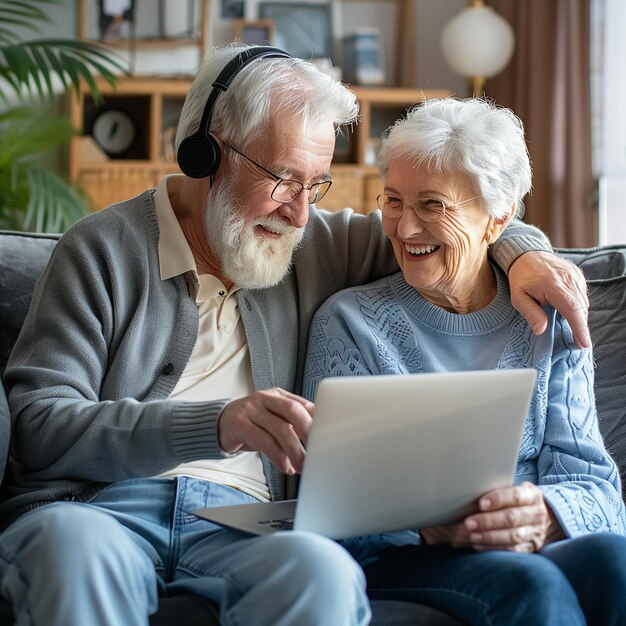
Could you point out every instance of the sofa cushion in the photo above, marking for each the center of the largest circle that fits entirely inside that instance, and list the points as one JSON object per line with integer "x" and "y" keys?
{"x": 22, "y": 259}
{"x": 5, "y": 430}
{"x": 605, "y": 270}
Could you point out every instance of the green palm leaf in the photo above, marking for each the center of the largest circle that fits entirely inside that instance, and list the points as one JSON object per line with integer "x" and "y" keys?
{"x": 23, "y": 15}
{"x": 30, "y": 65}
{"x": 50, "y": 203}
{"x": 26, "y": 132}
{"x": 31, "y": 196}
{"x": 53, "y": 204}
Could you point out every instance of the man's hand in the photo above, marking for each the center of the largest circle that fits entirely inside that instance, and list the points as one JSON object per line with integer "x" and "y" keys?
{"x": 273, "y": 421}
{"x": 516, "y": 519}
{"x": 538, "y": 278}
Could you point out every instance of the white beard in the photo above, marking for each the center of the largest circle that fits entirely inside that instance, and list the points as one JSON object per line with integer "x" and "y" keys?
{"x": 250, "y": 261}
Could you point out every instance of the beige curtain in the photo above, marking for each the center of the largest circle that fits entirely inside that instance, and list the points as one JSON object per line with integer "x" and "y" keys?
{"x": 547, "y": 84}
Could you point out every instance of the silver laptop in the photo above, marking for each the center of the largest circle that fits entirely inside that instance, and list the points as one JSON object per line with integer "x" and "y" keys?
{"x": 389, "y": 453}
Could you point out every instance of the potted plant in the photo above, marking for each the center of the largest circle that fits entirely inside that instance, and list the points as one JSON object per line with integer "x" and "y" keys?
{"x": 32, "y": 196}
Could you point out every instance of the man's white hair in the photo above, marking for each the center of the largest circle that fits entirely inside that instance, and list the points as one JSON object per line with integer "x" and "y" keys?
{"x": 265, "y": 87}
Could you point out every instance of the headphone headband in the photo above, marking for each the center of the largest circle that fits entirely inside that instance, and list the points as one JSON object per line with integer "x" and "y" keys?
{"x": 199, "y": 155}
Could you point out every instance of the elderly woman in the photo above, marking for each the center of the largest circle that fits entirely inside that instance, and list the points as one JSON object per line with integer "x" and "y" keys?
{"x": 548, "y": 550}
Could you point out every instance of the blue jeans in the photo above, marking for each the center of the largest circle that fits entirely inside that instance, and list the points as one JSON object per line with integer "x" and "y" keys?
{"x": 568, "y": 583}
{"x": 107, "y": 561}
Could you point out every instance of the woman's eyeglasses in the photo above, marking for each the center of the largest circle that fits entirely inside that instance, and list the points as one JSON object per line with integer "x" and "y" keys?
{"x": 427, "y": 209}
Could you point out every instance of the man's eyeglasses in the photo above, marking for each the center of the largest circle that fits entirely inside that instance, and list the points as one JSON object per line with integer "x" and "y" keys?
{"x": 427, "y": 209}
{"x": 287, "y": 190}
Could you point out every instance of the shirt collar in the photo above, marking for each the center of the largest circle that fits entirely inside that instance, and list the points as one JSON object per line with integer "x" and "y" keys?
{"x": 175, "y": 256}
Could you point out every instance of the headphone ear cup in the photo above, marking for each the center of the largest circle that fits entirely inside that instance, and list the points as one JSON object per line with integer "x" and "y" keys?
{"x": 199, "y": 157}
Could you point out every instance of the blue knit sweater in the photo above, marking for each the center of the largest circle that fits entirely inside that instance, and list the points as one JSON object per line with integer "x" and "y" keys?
{"x": 386, "y": 327}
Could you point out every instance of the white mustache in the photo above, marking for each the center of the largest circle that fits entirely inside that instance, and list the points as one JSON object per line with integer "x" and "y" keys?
{"x": 276, "y": 225}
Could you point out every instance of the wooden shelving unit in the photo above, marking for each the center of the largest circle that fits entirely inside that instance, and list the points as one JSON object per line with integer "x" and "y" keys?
{"x": 153, "y": 103}
{"x": 153, "y": 106}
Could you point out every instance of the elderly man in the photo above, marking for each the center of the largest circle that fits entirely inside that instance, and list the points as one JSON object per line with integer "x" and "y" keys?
{"x": 158, "y": 368}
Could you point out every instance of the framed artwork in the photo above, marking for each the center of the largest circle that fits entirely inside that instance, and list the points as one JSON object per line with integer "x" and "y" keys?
{"x": 304, "y": 30}
{"x": 395, "y": 50}
{"x": 254, "y": 32}
{"x": 233, "y": 8}
{"x": 119, "y": 21}
{"x": 363, "y": 57}
{"x": 116, "y": 18}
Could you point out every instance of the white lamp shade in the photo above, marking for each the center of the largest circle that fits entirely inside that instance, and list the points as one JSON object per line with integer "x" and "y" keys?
{"x": 477, "y": 42}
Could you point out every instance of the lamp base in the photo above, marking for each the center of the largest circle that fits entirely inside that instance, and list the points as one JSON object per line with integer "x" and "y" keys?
{"x": 477, "y": 86}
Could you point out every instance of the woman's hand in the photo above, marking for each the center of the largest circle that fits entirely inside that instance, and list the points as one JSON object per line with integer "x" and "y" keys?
{"x": 512, "y": 518}
{"x": 537, "y": 278}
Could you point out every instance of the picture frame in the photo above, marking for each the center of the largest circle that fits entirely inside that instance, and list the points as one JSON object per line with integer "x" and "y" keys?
{"x": 254, "y": 32}
{"x": 116, "y": 19}
{"x": 232, "y": 9}
{"x": 363, "y": 57}
{"x": 397, "y": 35}
{"x": 303, "y": 29}
{"x": 120, "y": 22}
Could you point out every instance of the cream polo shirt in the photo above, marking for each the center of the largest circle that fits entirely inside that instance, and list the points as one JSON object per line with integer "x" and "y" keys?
{"x": 219, "y": 366}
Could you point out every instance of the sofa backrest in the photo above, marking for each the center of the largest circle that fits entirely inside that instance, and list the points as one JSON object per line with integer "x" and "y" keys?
{"x": 5, "y": 430}
{"x": 23, "y": 257}
{"x": 605, "y": 271}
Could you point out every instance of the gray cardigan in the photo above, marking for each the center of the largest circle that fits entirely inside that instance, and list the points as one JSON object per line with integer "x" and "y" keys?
{"x": 105, "y": 341}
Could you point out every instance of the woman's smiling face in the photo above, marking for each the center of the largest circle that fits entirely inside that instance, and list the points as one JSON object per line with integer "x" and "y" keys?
{"x": 446, "y": 261}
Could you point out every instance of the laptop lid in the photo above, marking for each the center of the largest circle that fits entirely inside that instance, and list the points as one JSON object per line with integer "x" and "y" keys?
{"x": 388, "y": 453}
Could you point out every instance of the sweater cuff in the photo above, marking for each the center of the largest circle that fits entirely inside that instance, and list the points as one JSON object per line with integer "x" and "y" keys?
{"x": 517, "y": 239}
{"x": 194, "y": 430}
{"x": 506, "y": 251}
{"x": 561, "y": 508}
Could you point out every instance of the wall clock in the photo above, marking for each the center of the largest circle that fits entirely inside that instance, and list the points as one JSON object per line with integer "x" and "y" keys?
{"x": 115, "y": 132}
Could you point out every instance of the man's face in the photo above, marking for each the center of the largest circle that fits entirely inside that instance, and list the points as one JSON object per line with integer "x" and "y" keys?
{"x": 253, "y": 234}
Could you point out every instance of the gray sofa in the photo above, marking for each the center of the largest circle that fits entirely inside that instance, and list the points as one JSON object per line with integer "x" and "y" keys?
{"x": 23, "y": 256}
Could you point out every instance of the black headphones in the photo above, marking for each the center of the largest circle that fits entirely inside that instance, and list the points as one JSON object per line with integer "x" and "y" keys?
{"x": 199, "y": 155}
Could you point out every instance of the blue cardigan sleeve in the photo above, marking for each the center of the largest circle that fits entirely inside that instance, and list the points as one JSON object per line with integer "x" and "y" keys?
{"x": 578, "y": 477}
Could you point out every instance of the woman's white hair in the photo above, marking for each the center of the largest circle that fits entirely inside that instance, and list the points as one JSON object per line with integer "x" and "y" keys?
{"x": 472, "y": 136}
{"x": 265, "y": 87}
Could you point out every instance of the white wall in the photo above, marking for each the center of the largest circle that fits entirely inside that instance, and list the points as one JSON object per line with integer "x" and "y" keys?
{"x": 609, "y": 120}
{"x": 432, "y": 70}
{"x": 611, "y": 158}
